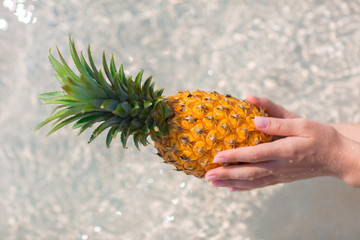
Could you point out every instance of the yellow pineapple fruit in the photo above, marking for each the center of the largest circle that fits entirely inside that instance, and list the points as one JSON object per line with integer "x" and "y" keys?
{"x": 204, "y": 123}
{"x": 187, "y": 129}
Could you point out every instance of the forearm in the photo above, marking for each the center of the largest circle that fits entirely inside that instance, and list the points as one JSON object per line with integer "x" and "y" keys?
{"x": 349, "y": 130}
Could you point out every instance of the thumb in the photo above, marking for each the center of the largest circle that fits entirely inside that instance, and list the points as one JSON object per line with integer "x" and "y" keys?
{"x": 277, "y": 126}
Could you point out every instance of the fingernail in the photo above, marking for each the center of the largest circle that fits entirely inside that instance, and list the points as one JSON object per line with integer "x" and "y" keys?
{"x": 218, "y": 183}
{"x": 218, "y": 160}
{"x": 211, "y": 177}
{"x": 261, "y": 122}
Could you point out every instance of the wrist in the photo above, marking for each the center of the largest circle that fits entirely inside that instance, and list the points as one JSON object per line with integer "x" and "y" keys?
{"x": 349, "y": 160}
{"x": 349, "y": 130}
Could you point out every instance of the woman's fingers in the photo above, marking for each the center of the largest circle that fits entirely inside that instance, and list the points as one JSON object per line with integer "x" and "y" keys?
{"x": 282, "y": 127}
{"x": 247, "y": 184}
{"x": 254, "y": 154}
{"x": 271, "y": 108}
{"x": 237, "y": 189}
{"x": 242, "y": 172}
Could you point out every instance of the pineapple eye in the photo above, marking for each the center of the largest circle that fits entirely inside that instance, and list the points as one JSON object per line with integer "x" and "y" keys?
{"x": 205, "y": 160}
{"x": 200, "y": 148}
{"x": 169, "y": 147}
{"x": 198, "y": 130}
{"x": 185, "y": 140}
{"x": 242, "y": 133}
{"x": 211, "y": 118}
{"x": 209, "y": 99}
{"x": 241, "y": 107}
{"x": 203, "y": 108}
{"x": 211, "y": 138}
{"x": 223, "y": 128}
{"x": 235, "y": 115}
{"x": 215, "y": 93}
{"x": 187, "y": 122}
{"x": 186, "y": 155}
{"x": 227, "y": 101}
{"x": 231, "y": 141}
{"x": 190, "y": 165}
{"x": 169, "y": 157}
{"x": 209, "y": 122}
{"x": 190, "y": 119}
{"x": 219, "y": 112}
{"x": 198, "y": 111}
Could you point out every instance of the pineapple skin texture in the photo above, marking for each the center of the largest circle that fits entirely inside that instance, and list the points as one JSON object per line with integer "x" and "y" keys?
{"x": 204, "y": 123}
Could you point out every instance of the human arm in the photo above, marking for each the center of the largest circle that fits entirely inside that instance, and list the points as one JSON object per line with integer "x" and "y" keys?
{"x": 308, "y": 149}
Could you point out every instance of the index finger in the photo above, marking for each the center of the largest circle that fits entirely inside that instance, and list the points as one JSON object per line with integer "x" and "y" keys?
{"x": 252, "y": 154}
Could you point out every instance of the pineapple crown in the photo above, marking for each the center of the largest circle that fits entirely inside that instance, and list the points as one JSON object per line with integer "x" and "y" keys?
{"x": 117, "y": 103}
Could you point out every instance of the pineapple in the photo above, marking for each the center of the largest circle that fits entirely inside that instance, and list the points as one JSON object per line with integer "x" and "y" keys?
{"x": 187, "y": 129}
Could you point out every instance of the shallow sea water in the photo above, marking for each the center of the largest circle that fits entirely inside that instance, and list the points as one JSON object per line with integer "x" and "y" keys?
{"x": 301, "y": 54}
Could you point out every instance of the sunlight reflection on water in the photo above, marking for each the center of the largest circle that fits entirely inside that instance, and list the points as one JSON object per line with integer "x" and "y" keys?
{"x": 304, "y": 55}
{"x": 21, "y": 9}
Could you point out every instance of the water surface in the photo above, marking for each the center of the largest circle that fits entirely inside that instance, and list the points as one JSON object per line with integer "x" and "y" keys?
{"x": 302, "y": 54}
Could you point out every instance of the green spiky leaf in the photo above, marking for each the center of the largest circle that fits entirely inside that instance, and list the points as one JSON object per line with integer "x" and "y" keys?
{"x": 92, "y": 64}
{"x": 51, "y": 95}
{"x": 111, "y": 135}
{"x": 116, "y": 102}
{"x": 123, "y": 139}
{"x": 108, "y": 123}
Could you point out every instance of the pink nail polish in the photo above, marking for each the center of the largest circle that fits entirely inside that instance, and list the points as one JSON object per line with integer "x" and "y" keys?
{"x": 261, "y": 122}
{"x": 211, "y": 177}
{"x": 219, "y": 160}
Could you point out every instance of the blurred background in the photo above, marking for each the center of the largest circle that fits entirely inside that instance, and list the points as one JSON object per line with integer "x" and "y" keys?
{"x": 304, "y": 55}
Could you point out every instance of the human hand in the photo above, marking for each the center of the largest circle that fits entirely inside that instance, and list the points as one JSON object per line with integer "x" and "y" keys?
{"x": 308, "y": 149}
